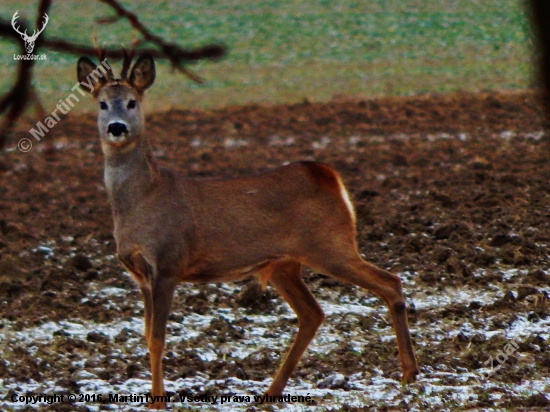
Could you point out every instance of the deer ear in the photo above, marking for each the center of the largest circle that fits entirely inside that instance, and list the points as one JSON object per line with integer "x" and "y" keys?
{"x": 89, "y": 75}
{"x": 142, "y": 75}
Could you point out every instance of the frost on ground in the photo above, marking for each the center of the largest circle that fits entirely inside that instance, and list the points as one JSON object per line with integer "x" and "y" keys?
{"x": 451, "y": 192}
{"x": 111, "y": 359}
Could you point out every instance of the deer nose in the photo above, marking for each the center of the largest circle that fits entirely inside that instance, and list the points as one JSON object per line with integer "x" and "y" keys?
{"x": 117, "y": 129}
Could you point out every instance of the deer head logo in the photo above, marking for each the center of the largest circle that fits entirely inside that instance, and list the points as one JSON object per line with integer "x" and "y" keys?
{"x": 29, "y": 40}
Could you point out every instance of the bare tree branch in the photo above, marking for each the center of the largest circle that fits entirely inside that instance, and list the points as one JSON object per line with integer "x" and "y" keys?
{"x": 212, "y": 51}
{"x": 170, "y": 50}
{"x": 22, "y": 94}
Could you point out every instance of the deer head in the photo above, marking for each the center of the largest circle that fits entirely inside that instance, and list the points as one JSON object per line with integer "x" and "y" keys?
{"x": 29, "y": 40}
{"x": 120, "y": 119}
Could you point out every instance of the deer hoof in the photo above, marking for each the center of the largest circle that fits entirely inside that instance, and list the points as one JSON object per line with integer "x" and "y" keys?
{"x": 409, "y": 376}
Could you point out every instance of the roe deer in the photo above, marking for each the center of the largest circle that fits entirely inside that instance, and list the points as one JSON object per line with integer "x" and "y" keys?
{"x": 170, "y": 229}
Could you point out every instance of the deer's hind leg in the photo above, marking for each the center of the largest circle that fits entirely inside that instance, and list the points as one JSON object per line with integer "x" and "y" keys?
{"x": 388, "y": 286}
{"x": 287, "y": 279}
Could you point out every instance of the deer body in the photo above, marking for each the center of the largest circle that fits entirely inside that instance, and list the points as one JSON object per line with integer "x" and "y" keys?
{"x": 171, "y": 229}
{"x": 226, "y": 227}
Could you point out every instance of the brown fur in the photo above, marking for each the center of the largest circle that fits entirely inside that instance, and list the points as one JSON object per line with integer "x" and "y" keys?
{"x": 171, "y": 229}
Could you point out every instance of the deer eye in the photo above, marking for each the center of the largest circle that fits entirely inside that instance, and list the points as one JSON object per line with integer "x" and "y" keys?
{"x": 103, "y": 106}
{"x": 132, "y": 104}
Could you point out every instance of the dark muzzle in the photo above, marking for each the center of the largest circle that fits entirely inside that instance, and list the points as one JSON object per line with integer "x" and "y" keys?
{"x": 117, "y": 129}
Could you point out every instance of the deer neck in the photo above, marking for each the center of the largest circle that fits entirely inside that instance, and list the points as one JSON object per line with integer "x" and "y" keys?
{"x": 129, "y": 172}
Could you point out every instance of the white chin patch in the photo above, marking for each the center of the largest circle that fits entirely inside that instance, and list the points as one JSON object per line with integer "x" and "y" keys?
{"x": 117, "y": 139}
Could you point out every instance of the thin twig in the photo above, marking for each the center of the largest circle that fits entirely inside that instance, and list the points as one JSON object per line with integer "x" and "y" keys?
{"x": 170, "y": 50}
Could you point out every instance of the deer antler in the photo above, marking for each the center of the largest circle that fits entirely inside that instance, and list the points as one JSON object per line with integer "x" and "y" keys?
{"x": 14, "y": 18}
{"x": 128, "y": 57}
{"x": 101, "y": 54}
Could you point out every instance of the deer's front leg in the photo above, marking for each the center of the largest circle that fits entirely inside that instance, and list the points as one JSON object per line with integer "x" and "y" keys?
{"x": 162, "y": 292}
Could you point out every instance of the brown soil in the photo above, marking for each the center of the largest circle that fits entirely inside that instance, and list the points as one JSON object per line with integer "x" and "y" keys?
{"x": 444, "y": 186}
